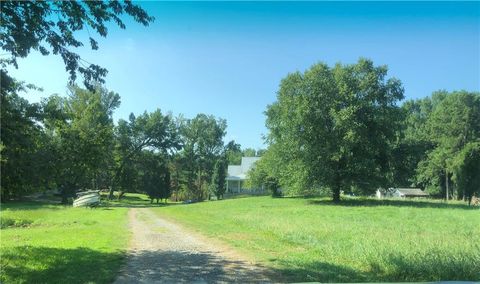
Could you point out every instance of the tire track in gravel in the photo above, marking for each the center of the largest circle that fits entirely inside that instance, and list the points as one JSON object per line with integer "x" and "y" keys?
{"x": 163, "y": 252}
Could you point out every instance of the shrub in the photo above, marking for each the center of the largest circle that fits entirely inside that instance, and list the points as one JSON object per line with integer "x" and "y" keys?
{"x": 10, "y": 222}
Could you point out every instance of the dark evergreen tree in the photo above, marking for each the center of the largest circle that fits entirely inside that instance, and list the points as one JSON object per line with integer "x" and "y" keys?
{"x": 217, "y": 184}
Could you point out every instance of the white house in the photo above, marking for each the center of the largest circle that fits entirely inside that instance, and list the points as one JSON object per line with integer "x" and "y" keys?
{"x": 237, "y": 175}
{"x": 400, "y": 192}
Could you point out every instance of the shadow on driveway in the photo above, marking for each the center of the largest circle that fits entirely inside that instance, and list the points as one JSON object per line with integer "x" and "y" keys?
{"x": 185, "y": 266}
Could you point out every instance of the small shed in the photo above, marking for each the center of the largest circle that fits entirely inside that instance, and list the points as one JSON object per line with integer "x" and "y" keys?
{"x": 409, "y": 192}
{"x": 401, "y": 192}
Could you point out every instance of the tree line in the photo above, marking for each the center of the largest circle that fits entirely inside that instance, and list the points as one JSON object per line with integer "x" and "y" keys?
{"x": 332, "y": 129}
{"x": 343, "y": 128}
{"x": 71, "y": 143}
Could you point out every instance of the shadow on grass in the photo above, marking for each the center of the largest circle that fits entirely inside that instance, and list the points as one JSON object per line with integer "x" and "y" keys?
{"x": 133, "y": 202}
{"x": 83, "y": 265}
{"x": 125, "y": 202}
{"x": 32, "y": 205}
{"x": 393, "y": 268}
{"x": 392, "y": 202}
{"x": 55, "y": 265}
{"x": 127, "y": 205}
{"x": 243, "y": 195}
{"x": 186, "y": 267}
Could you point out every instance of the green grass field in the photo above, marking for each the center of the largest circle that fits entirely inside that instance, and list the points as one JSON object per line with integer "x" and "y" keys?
{"x": 300, "y": 239}
{"x": 56, "y": 244}
{"x": 357, "y": 241}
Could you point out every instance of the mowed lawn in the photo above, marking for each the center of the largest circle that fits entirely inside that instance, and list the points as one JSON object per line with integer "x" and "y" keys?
{"x": 360, "y": 240}
{"x": 57, "y": 244}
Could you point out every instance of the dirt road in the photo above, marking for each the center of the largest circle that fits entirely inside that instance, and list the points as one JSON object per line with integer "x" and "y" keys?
{"x": 163, "y": 252}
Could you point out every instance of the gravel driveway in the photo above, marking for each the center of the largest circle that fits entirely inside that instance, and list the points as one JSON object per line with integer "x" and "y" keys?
{"x": 163, "y": 252}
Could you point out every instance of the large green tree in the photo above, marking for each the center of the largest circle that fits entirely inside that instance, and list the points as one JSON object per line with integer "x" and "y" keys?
{"x": 269, "y": 172}
{"x": 413, "y": 141}
{"x": 466, "y": 171}
{"x": 80, "y": 128}
{"x": 336, "y": 125}
{"x": 50, "y": 27}
{"x": 453, "y": 123}
{"x": 203, "y": 144}
{"x": 153, "y": 131}
{"x": 21, "y": 144}
{"x": 154, "y": 175}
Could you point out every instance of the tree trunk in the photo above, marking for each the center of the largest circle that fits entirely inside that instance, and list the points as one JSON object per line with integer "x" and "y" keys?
{"x": 446, "y": 184}
{"x": 337, "y": 187}
{"x": 120, "y": 168}
{"x": 336, "y": 194}
{"x": 67, "y": 191}
{"x": 110, "y": 192}
{"x": 65, "y": 195}
{"x": 4, "y": 197}
{"x": 336, "y": 190}
{"x": 64, "y": 199}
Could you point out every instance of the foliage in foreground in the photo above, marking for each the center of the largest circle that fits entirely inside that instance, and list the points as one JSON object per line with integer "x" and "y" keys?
{"x": 52, "y": 27}
{"x": 56, "y": 244}
{"x": 359, "y": 241}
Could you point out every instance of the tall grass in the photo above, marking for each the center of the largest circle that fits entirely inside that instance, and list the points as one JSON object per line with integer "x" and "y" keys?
{"x": 359, "y": 240}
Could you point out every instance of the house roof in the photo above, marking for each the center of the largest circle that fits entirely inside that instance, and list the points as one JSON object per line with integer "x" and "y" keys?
{"x": 412, "y": 191}
{"x": 236, "y": 172}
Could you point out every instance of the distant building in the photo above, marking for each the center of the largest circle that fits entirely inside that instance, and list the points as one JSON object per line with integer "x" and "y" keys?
{"x": 237, "y": 175}
{"x": 400, "y": 192}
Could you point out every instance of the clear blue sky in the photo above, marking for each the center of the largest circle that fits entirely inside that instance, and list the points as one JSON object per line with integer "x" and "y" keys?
{"x": 227, "y": 58}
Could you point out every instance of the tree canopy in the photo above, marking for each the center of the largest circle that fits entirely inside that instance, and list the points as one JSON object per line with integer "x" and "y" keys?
{"x": 203, "y": 146}
{"x": 149, "y": 131}
{"x": 451, "y": 126}
{"x": 52, "y": 27}
{"x": 71, "y": 143}
{"x": 73, "y": 140}
{"x": 323, "y": 122}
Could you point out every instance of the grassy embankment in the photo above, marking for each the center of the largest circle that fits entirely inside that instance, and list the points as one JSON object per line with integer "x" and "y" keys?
{"x": 360, "y": 240}
{"x": 43, "y": 243}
